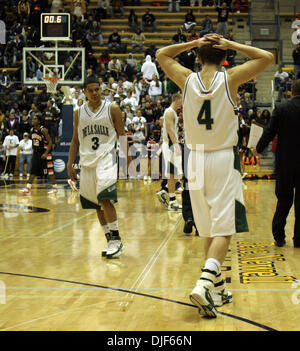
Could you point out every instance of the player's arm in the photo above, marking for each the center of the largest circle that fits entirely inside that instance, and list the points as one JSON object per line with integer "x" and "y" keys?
{"x": 74, "y": 148}
{"x": 169, "y": 116}
{"x": 174, "y": 70}
{"x": 259, "y": 61}
{"x": 49, "y": 143}
{"x": 116, "y": 116}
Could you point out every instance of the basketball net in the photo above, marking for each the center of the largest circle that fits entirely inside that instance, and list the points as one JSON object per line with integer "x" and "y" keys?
{"x": 51, "y": 84}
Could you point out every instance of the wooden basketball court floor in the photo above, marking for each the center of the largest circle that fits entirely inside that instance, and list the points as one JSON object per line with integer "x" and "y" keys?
{"x": 53, "y": 278}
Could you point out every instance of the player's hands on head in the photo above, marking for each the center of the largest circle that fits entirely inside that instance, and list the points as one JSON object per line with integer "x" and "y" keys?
{"x": 207, "y": 39}
{"x": 222, "y": 43}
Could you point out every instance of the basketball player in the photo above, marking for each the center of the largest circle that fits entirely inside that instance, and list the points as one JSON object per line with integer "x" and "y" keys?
{"x": 96, "y": 128}
{"x": 42, "y": 158}
{"x": 171, "y": 153}
{"x": 209, "y": 100}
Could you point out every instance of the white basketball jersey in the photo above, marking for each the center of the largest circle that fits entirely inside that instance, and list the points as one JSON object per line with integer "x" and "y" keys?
{"x": 96, "y": 133}
{"x": 165, "y": 135}
{"x": 209, "y": 114}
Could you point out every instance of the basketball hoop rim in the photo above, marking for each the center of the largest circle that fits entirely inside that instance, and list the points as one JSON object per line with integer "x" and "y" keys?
{"x": 52, "y": 79}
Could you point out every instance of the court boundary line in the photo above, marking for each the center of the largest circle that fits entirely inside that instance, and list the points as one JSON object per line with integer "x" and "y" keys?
{"x": 259, "y": 325}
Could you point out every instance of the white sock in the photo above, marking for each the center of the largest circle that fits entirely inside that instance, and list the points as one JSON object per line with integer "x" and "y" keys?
{"x": 105, "y": 228}
{"x": 213, "y": 265}
{"x": 114, "y": 225}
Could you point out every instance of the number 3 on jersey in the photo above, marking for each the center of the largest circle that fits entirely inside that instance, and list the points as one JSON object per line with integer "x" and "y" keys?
{"x": 206, "y": 111}
{"x": 95, "y": 141}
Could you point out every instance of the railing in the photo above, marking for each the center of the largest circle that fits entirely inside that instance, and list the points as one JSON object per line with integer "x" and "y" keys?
{"x": 280, "y": 41}
{"x": 251, "y": 22}
{"x": 273, "y": 94}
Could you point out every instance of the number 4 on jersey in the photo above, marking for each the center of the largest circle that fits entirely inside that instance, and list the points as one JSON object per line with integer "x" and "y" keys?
{"x": 206, "y": 111}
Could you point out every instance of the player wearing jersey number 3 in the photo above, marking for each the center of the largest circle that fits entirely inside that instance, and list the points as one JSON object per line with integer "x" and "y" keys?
{"x": 209, "y": 102}
{"x": 96, "y": 128}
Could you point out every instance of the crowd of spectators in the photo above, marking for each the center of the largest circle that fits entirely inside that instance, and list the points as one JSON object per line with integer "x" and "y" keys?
{"x": 138, "y": 85}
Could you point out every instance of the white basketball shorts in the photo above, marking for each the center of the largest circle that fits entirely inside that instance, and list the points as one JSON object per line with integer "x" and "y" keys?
{"x": 218, "y": 203}
{"x": 99, "y": 183}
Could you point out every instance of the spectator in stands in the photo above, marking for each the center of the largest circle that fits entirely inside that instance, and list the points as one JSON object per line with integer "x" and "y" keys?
{"x": 247, "y": 104}
{"x": 131, "y": 101}
{"x": 151, "y": 51}
{"x": 2, "y": 125}
{"x": 24, "y": 126}
{"x": 133, "y": 20}
{"x": 35, "y": 13}
{"x": 208, "y": 2}
{"x": 148, "y": 113}
{"x": 138, "y": 39}
{"x": 155, "y": 88}
{"x": 2, "y": 156}
{"x": 42, "y": 98}
{"x": 207, "y": 26}
{"x": 193, "y": 35}
{"x": 102, "y": 8}
{"x": 104, "y": 59}
{"x": 187, "y": 58}
{"x": 132, "y": 61}
{"x": 148, "y": 20}
{"x": 23, "y": 9}
{"x": 6, "y": 83}
{"x": 149, "y": 68}
{"x": 11, "y": 143}
{"x": 94, "y": 32}
{"x": 189, "y": 21}
{"x": 280, "y": 79}
{"x": 114, "y": 40}
{"x": 114, "y": 67}
{"x": 242, "y": 5}
{"x": 26, "y": 150}
{"x": 179, "y": 37}
{"x": 78, "y": 8}
{"x": 127, "y": 70}
{"x": 91, "y": 61}
{"x": 174, "y": 6}
{"x": 117, "y": 7}
{"x": 296, "y": 59}
{"x": 264, "y": 118}
{"x": 11, "y": 123}
{"x": 223, "y": 14}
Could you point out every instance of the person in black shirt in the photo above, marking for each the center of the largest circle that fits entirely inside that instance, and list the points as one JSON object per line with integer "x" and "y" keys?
{"x": 148, "y": 20}
{"x": 114, "y": 40}
{"x": 223, "y": 13}
{"x": 41, "y": 159}
{"x": 285, "y": 123}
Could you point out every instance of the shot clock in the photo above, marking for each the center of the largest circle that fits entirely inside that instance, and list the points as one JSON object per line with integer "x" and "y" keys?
{"x": 55, "y": 26}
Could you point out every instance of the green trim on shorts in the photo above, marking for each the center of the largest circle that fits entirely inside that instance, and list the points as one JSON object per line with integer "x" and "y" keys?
{"x": 237, "y": 162}
{"x": 241, "y": 224}
{"x": 108, "y": 194}
{"x": 88, "y": 205}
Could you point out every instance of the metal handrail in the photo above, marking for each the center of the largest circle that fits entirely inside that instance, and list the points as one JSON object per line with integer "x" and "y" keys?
{"x": 272, "y": 94}
{"x": 251, "y": 22}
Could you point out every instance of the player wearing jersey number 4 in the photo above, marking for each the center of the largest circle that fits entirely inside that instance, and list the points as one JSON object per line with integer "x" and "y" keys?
{"x": 96, "y": 128}
{"x": 209, "y": 102}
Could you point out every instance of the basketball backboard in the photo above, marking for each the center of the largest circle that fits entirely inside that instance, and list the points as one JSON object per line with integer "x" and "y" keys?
{"x": 66, "y": 63}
